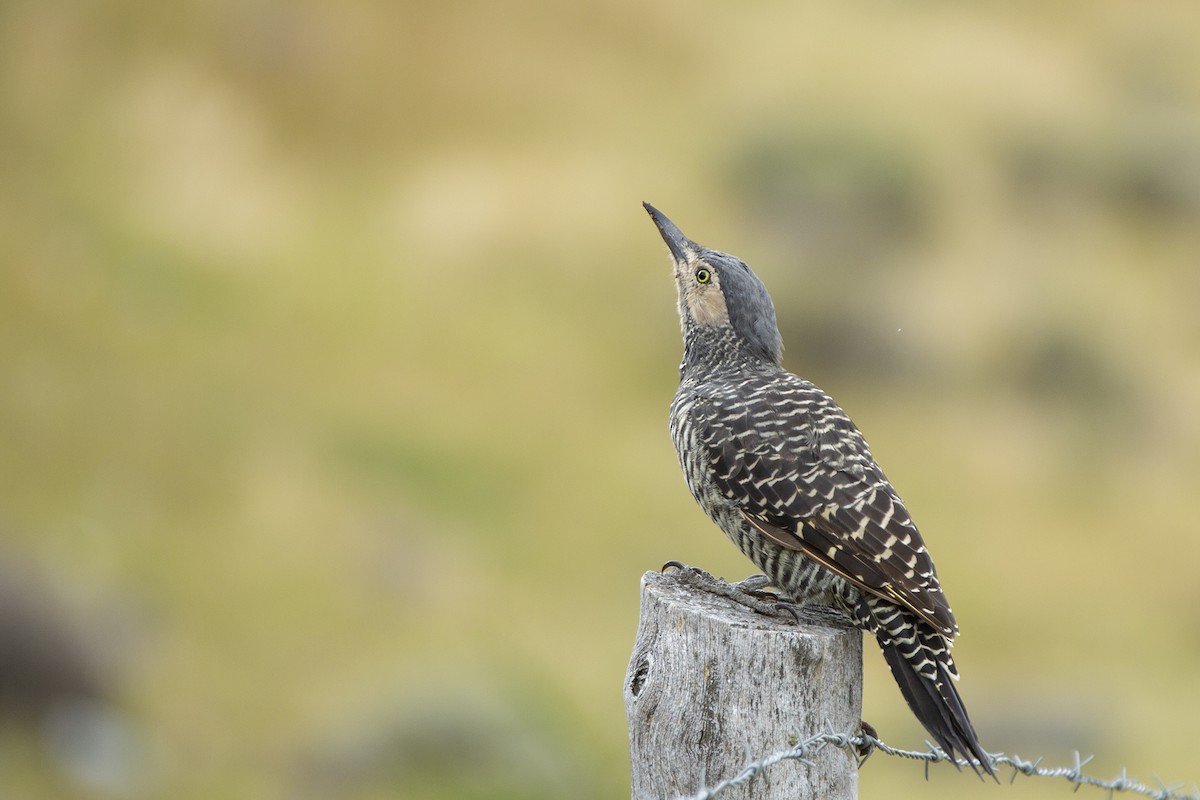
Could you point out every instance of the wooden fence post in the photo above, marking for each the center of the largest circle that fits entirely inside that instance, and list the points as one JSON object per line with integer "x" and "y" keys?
{"x": 713, "y": 685}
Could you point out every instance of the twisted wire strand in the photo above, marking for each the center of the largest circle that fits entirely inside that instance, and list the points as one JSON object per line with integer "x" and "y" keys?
{"x": 859, "y": 743}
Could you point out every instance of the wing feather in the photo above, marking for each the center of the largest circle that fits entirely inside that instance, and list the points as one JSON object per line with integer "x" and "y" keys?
{"x": 798, "y": 469}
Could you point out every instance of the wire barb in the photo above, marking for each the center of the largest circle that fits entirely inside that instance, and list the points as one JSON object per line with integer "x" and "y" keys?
{"x": 856, "y": 742}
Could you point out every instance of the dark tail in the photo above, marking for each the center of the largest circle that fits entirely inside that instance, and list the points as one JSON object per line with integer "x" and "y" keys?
{"x": 923, "y": 668}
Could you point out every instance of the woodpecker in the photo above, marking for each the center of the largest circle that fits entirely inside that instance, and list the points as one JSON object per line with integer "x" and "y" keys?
{"x": 788, "y": 477}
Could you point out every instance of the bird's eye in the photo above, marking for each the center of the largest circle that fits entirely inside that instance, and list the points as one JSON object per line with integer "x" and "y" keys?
{"x": 703, "y": 275}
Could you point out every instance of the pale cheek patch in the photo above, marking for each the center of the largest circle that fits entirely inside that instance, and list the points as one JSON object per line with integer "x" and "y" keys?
{"x": 707, "y": 305}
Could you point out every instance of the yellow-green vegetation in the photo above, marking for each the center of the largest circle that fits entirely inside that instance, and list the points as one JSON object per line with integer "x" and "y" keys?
{"x": 335, "y": 351}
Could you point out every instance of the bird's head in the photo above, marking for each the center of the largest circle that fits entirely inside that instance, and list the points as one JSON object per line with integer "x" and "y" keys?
{"x": 718, "y": 294}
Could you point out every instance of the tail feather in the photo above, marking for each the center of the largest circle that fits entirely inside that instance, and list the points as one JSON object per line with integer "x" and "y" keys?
{"x": 937, "y": 705}
{"x": 920, "y": 660}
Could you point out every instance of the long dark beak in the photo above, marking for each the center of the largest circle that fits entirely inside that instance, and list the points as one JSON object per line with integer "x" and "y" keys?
{"x": 680, "y": 246}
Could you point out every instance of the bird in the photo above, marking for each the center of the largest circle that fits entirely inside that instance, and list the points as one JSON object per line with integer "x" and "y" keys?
{"x": 779, "y": 466}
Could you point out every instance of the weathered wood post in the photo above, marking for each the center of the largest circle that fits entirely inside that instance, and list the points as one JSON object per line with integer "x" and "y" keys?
{"x": 713, "y": 685}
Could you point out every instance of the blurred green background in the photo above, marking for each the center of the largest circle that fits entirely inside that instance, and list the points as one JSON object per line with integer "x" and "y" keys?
{"x": 335, "y": 353}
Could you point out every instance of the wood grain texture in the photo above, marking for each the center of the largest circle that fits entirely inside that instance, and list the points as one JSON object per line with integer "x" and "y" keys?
{"x": 713, "y": 685}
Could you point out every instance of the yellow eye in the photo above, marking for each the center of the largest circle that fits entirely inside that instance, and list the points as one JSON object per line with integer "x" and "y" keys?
{"x": 703, "y": 275}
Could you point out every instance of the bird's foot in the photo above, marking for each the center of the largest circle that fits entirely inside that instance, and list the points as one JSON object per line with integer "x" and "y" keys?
{"x": 756, "y": 585}
{"x": 749, "y": 593}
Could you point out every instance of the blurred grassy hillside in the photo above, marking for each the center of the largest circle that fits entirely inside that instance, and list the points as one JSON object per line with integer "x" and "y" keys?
{"x": 335, "y": 352}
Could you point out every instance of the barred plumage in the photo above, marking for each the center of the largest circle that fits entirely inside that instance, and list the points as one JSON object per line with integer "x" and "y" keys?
{"x": 788, "y": 477}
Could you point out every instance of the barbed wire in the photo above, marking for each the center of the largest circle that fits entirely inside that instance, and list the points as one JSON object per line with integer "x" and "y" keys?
{"x": 861, "y": 745}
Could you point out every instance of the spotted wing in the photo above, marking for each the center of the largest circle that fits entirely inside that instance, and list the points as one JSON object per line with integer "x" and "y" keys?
{"x": 800, "y": 472}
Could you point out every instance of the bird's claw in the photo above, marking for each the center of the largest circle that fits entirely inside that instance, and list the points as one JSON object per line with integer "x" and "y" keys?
{"x": 694, "y": 575}
{"x": 748, "y": 593}
{"x": 791, "y": 609}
